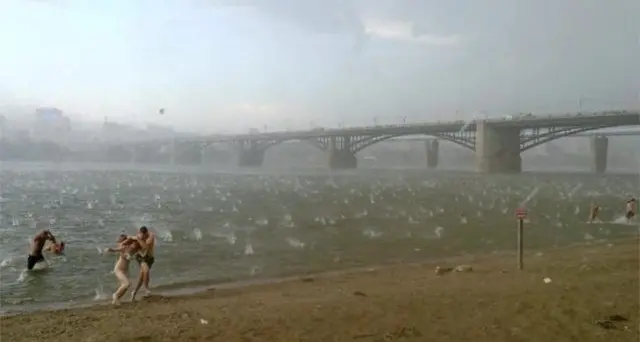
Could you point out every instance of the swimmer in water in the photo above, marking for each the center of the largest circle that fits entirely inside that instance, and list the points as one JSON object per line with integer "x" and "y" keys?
{"x": 37, "y": 245}
{"x": 126, "y": 247}
{"x": 55, "y": 248}
{"x": 593, "y": 212}
{"x": 631, "y": 209}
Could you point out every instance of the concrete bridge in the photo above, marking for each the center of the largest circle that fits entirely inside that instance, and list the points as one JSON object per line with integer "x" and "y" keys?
{"x": 497, "y": 143}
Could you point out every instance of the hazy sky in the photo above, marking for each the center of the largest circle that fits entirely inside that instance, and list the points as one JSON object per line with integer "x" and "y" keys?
{"x": 233, "y": 64}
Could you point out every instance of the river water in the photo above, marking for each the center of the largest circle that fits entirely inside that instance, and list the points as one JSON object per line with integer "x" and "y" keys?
{"x": 225, "y": 227}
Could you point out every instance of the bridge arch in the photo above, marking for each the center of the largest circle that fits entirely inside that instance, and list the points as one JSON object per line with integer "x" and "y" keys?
{"x": 536, "y": 140}
{"x": 465, "y": 139}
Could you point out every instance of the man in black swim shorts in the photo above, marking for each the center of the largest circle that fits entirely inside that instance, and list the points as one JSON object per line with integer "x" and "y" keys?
{"x": 37, "y": 244}
{"x": 145, "y": 258}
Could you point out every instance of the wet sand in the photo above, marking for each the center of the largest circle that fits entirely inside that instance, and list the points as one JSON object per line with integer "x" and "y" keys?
{"x": 494, "y": 302}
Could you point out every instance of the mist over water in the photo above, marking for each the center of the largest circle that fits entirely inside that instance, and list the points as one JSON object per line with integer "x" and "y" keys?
{"x": 215, "y": 227}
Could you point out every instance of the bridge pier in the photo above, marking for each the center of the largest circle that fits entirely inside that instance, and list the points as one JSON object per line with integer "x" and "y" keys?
{"x": 497, "y": 149}
{"x": 250, "y": 157}
{"x": 432, "y": 146}
{"x": 136, "y": 155}
{"x": 186, "y": 154}
{"x": 340, "y": 155}
{"x": 599, "y": 153}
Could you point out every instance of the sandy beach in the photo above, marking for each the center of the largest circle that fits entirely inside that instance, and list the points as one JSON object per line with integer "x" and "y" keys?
{"x": 494, "y": 302}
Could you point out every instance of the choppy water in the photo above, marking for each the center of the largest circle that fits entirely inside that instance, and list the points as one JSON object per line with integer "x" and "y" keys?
{"x": 226, "y": 227}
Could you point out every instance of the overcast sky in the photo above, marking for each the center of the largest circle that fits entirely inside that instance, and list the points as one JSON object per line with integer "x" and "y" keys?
{"x": 232, "y": 64}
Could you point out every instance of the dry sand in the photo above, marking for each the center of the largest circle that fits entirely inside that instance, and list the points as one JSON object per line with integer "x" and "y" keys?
{"x": 493, "y": 303}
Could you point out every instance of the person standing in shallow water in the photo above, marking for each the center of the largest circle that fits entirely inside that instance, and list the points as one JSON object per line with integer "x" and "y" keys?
{"x": 593, "y": 212}
{"x": 126, "y": 247}
{"x": 631, "y": 209}
{"x": 37, "y": 245}
{"x": 146, "y": 258}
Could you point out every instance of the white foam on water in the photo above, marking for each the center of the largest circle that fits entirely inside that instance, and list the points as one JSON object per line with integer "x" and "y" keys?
{"x": 6, "y": 262}
{"x": 231, "y": 238}
{"x": 293, "y": 242}
{"x": 248, "y": 249}
{"x": 372, "y": 234}
{"x": 100, "y": 294}
{"x": 362, "y": 214}
{"x": 197, "y": 234}
{"x": 166, "y": 236}
{"x": 575, "y": 189}
{"x": 22, "y": 276}
{"x": 530, "y": 196}
{"x": 623, "y": 220}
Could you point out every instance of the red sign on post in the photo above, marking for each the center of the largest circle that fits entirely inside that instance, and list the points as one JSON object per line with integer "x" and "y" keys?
{"x": 521, "y": 213}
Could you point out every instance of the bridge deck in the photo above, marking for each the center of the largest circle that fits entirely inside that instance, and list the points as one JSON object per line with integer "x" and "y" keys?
{"x": 596, "y": 120}
{"x": 613, "y": 118}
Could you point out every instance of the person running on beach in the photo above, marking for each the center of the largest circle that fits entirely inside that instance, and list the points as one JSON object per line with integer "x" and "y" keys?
{"x": 631, "y": 209}
{"x": 37, "y": 245}
{"x": 593, "y": 212}
{"x": 145, "y": 258}
{"x": 126, "y": 247}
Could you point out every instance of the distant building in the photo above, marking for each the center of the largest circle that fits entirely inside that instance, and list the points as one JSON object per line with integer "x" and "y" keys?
{"x": 51, "y": 124}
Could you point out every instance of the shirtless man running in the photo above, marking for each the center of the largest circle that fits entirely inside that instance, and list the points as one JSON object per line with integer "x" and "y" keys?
{"x": 37, "y": 245}
{"x": 631, "y": 209}
{"x": 126, "y": 247}
{"x": 145, "y": 258}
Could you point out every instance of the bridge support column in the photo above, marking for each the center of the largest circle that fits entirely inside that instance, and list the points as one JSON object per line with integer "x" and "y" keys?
{"x": 432, "y": 146}
{"x": 185, "y": 154}
{"x": 250, "y": 156}
{"x": 340, "y": 155}
{"x": 599, "y": 153}
{"x": 497, "y": 149}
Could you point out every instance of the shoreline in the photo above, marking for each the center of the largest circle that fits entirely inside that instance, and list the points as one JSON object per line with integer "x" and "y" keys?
{"x": 21, "y": 165}
{"x": 565, "y": 294}
{"x": 187, "y": 290}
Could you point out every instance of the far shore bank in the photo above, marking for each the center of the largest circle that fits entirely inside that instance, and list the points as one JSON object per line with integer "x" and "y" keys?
{"x": 564, "y": 294}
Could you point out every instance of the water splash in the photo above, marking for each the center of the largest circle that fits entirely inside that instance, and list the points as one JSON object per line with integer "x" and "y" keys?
{"x": 248, "y": 249}
{"x": 197, "y": 234}
{"x": 530, "y": 196}
{"x": 293, "y": 242}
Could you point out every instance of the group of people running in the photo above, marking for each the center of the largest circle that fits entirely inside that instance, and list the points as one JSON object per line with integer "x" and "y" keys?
{"x": 140, "y": 247}
{"x": 630, "y": 213}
